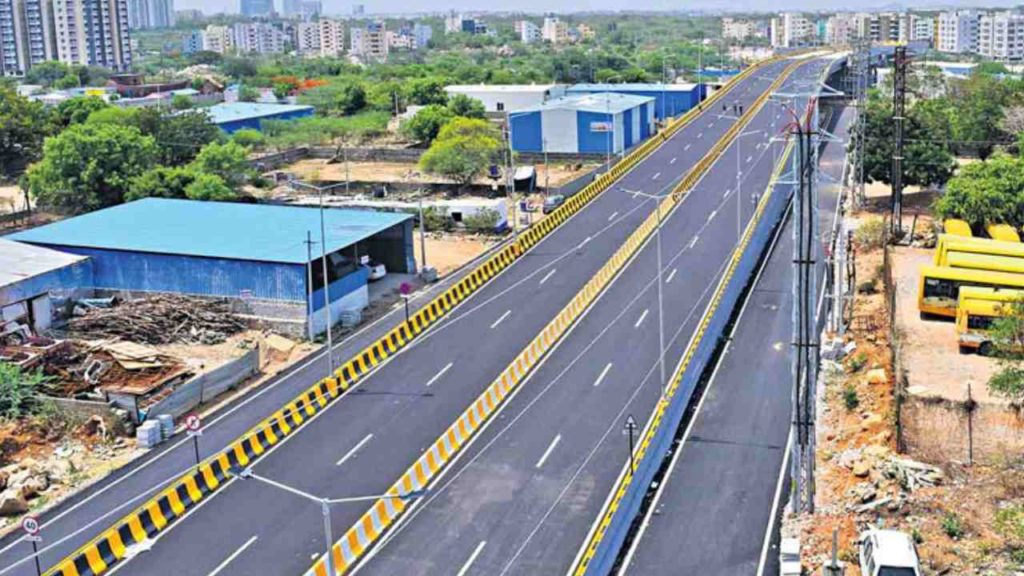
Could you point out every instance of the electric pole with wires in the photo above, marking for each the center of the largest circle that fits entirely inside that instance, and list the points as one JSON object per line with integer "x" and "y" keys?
{"x": 899, "y": 102}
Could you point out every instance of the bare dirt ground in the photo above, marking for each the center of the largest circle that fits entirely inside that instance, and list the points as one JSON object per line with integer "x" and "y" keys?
{"x": 407, "y": 173}
{"x": 448, "y": 252}
{"x": 971, "y": 521}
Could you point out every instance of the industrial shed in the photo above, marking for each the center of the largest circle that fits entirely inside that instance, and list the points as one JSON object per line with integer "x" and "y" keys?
{"x": 30, "y": 276}
{"x": 670, "y": 100}
{"x": 508, "y": 97}
{"x": 583, "y": 124}
{"x": 254, "y": 253}
{"x": 233, "y": 116}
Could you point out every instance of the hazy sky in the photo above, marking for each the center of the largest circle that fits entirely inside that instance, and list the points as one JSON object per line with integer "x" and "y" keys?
{"x": 393, "y": 6}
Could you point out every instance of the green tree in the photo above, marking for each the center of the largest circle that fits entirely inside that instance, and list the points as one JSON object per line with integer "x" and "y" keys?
{"x": 160, "y": 182}
{"x": 209, "y": 187}
{"x": 47, "y": 73}
{"x": 89, "y": 166}
{"x": 115, "y": 115}
{"x": 425, "y": 91}
{"x": 282, "y": 90}
{"x": 339, "y": 98}
{"x": 181, "y": 136}
{"x": 229, "y": 161}
{"x": 206, "y": 57}
{"x": 23, "y": 126}
{"x": 18, "y": 391}
{"x": 248, "y": 94}
{"x": 77, "y": 110}
{"x": 1008, "y": 339}
{"x": 239, "y": 68}
{"x": 979, "y": 114}
{"x": 181, "y": 102}
{"x": 462, "y": 105}
{"x": 425, "y": 125}
{"x": 464, "y": 148}
{"x": 248, "y": 138}
{"x": 986, "y": 192}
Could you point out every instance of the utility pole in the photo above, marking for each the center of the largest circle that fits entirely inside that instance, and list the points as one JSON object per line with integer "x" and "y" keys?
{"x": 423, "y": 236}
{"x": 309, "y": 283}
{"x": 899, "y": 101}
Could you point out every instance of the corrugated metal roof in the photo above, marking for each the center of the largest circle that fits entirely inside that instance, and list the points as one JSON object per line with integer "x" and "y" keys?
{"x": 603, "y": 102}
{"x": 235, "y": 111}
{"x": 20, "y": 262}
{"x": 498, "y": 88}
{"x": 259, "y": 232}
{"x": 631, "y": 87}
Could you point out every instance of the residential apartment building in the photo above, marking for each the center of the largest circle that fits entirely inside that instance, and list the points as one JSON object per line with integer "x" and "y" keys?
{"x": 192, "y": 42}
{"x": 258, "y": 38}
{"x": 528, "y": 32}
{"x": 958, "y": 31}
{"x": 1001, "y": 36}
{"x": 253, "y": 8}
{"x": 218, "y": 39}
{"x": 307, "y": 38}
{"x": 555, "y": 30}
{"x": 841, "y": 29}
{"x": 920, "y": 27}
{"x": 733, "y": 29}
{"x": 147, "y": 14}
{"x": 370, "y": 41}
{"x": 789, "y": 30}
{"x": 332, "y": 37}
{"x": 421, "y": 35}
{"x": 93, "y": 32}
{"x": 27, "y": 35}
{"x": 585, "y": 32}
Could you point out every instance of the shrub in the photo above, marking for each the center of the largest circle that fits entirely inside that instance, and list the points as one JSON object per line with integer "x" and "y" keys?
{"x": 871, "y": 234}
{"x": 435, "y": 219}
{"x": 952, "y": 525}
{"x": 867, "y": 287}
{"x": 850, "y": 399}
{"x": 484, "y": 221}
{"x": 857, "y": 362}
{"x": 1009, "y": 523}
{"x": 18, "y": 391}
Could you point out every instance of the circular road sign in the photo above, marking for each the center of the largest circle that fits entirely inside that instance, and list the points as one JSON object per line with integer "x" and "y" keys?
{"x": 405, "y": 288}
{"x": 193, "y": 422}
{"x": 30, "y": 524}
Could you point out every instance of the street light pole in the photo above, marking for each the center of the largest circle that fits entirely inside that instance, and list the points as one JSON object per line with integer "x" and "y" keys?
{"x": 327, "y": 283}
{"x": 423, "y": 236}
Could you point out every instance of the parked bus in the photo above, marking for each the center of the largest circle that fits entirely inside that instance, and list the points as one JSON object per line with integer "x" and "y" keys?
{"x": 957, "y": 227}
{"x": 975, "y": 261}
{"x": 947, "y": 244}
{"x": 939, "y": 286}
{"x": 1002, "y": 232}
{"x": 976, "y": 309}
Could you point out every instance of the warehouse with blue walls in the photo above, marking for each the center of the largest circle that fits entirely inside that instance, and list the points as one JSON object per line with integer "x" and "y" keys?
{"x": 670, "y": 100}
{"x": 583, "y": 124}
{"x": 256, "y": 254}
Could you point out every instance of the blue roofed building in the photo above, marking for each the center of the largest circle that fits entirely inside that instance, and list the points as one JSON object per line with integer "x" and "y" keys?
{"x": 30, "y": 278}
{"x": 254, "y": 253}
{"x": 234, "y": 116}
{"x": 670, "y": 100}
{"x": 583, "y": 124}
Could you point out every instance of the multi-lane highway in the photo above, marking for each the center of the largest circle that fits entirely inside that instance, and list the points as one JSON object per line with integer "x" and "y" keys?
{"x": 364, "y": 441}
{"x": 521, "y": 499}
{"x": 713, "y": 511}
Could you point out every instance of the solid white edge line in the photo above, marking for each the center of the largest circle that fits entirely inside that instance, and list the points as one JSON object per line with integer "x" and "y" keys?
{"x": 551, "y": 448}
{"x": 472, "y": 558}
{"x": 775, "y": 506}
{"x": 600, "y": 377}
{"x": 354, "y": 449}
{"x": 437, "y": 376}
{"x": 234, "y": 555}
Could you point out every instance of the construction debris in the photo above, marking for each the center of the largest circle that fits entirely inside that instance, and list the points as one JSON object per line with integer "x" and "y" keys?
{"x": 912, "y": 475}
{"x": 156, "y": 320}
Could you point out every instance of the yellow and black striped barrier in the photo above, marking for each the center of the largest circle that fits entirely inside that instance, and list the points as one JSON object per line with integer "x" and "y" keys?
{"x": 145, "y": 522}
{"x": 361, "y": 536}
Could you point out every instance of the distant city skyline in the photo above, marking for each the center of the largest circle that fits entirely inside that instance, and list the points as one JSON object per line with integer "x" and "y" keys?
{"x": 342, "y": 7}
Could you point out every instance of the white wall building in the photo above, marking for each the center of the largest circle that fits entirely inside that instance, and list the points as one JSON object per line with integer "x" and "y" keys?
{"x": 508, "y": 97}
{"x": 529, "y": 32}
{"x": 1001, "y": 36}
{"x": 791, "y": 29}
{"x": 307, "y": 38}
{"x": 93, "y": 32}
{"x": 218, "y": 39}
{"x": 555, "y": 31}
{"x": 258, "y": 38}
{"x": 370, "y": 41}
{"x": 421, "y": 35}
{"x": 739, "y": 29}
{"x": 332, "y": 37}
{"x": 841, "y": 29}
{"x": 146, "y": 14}
{"x": 958, "y": 31}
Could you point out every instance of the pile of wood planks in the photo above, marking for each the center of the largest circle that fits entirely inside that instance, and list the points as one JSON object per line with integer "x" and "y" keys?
{"x": 160, "y": 319}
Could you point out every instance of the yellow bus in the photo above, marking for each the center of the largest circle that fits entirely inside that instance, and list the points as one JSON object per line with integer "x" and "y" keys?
{"x": 939, "y": 286}
{"x": 957, "y": 227}
{"x": 1002, "y": 232}
{"x": 975, "y": 261}
{"x": 948, "y": 243}
{"x": 976, "y": 309}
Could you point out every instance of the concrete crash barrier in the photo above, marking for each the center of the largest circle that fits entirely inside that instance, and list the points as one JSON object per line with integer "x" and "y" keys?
{"x": 347, "y": 552}
{"x": 599, "y": 552}
{"x": 101, "y": 553}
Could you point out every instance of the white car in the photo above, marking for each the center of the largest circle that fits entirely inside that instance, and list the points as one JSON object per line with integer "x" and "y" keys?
{"x": 888, "y": 553}
{"x": 377, "y": 270}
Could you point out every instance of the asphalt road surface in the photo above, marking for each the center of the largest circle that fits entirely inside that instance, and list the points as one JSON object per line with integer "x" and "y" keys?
{"x": 522, "y": 498}
{"x": 364, "y": 441}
